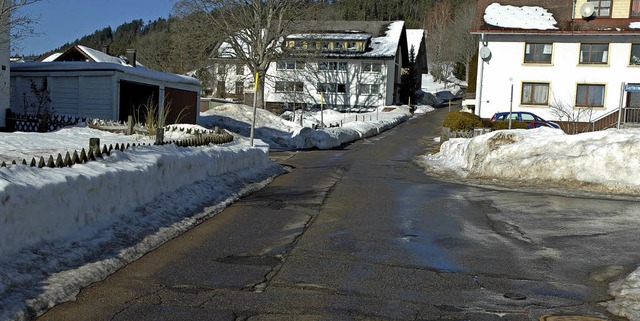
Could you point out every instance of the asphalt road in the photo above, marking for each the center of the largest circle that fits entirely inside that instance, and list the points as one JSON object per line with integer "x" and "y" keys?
{"x": 363, "y": 233}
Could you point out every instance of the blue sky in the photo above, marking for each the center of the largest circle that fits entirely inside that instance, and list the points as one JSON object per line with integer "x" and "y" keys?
{"x": 62, "y": 21}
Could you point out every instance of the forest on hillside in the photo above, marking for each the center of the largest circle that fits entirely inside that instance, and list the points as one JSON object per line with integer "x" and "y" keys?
{"x": 183, "y": 42}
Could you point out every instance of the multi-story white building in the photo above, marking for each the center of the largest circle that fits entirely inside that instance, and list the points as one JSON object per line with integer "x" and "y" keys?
{"x": 341, "y": 64}
{"x": 4, "y": 62}
{"x": 567, "y": 60}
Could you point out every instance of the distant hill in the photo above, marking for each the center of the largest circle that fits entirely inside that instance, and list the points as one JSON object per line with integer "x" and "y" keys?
{"x": 177, "y": 45}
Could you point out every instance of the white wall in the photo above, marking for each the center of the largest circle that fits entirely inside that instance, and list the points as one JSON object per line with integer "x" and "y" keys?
{"x": 86, "y": 96}
{"x": 352, "y": 77}
{"x": 506, "y": 67}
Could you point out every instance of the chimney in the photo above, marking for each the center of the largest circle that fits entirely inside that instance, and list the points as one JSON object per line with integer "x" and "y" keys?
{"x": 105, "y": 49}
{"x": 131, "y": 57}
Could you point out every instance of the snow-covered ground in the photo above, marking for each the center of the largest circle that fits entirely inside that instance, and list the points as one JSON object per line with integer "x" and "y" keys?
{"x": 283, "y": 134}
{"x": 65, "y": 228}
{"x": 602, "y": 163}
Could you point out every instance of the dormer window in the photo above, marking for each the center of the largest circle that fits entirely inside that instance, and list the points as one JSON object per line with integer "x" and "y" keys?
{"x": 603, "y": 7}
{"x": 371, "y": 67}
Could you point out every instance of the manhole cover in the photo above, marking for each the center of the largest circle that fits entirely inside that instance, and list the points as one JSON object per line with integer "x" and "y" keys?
{"x": 569, "y": 318}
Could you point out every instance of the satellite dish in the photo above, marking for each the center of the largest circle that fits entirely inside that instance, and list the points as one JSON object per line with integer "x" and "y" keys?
{"x": 485, "y": 53}
{"x": 587, "y": 10}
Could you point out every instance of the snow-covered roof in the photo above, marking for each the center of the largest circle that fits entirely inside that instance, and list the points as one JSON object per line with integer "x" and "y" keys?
{"x": 99, "y": 56}
{"x": 414, "y": 39}
{"x": 52, "y": 57}
{"x": 544, "y": 17}
{"x": 329, "y": 36}
{"x": 384, "y": 37}
{"x": 68, "y": 66}
{"x": 387, "y": 45}
{"x": 525, "y": 17}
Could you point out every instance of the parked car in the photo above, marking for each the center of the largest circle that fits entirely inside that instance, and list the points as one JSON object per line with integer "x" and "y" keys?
{"x": 425, "y": 98}
{"x": 533, "y": 120}
{"x": 447, "y": 97}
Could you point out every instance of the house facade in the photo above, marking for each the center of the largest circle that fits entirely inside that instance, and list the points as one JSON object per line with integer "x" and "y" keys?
{"x": 338, "y": 64}
{"x": 89, "y": 83}
{"x": 5, "y": 49}
{"x": 566, "y": 61}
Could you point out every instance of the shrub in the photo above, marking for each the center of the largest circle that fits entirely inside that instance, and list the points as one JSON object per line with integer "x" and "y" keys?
{"x": 461, "y": 121}
{"x": 503, "y": 124}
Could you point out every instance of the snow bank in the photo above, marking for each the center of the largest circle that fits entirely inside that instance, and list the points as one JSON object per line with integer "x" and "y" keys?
{"x": 67, "y": 228}
{"x": 284, "y": 134}
{"x": 47, "y": 204}
{"x": 627, "y": 297}
{"x": 604, "y": 161}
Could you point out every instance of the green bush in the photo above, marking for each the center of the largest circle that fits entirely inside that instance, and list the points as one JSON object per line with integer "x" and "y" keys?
{"x": 461, "y": 121}
{"x": 503, "y": 124}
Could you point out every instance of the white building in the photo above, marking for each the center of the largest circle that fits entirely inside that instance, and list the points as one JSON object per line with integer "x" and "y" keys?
{"x": 4, "y": 62}
{"x": 341, "y": 64}
{"x": 563, "y": 63}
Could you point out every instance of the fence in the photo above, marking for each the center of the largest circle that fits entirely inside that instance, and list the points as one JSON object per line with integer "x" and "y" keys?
{"x": 39, "y": 123}
{"x": 95, "y": 152}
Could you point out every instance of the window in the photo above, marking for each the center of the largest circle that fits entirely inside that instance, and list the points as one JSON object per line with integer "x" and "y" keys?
{"x": 338, "y": 45}
{"x": 594, "y": 53}
{"x": 289, "y": 65}
{"x": 635, "y": 8}
{"x": 371, "y": 67}
{"x": 239, "y": 87}
{"x": 222, "y": 69}
{"x": 332, "y": 65}
{"x": 240, "y": 69}
{"x": 289, "y": 86}
{"x": 332, "y": 88}
{"x": 369, "y": 89}
{"x": 603, "y": 7}
{"x": 535, "y": 93}
{"x": 590, "y": 95}
{"x": 221, "y": 89}
{"x": 635, "y": 54}
{"x": 351, "y": 45}
{"x": 538, "y": 53}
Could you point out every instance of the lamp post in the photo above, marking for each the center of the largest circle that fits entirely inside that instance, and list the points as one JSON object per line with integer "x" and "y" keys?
{"x": 322, "y": 110}
{"x": 511, "y": 102}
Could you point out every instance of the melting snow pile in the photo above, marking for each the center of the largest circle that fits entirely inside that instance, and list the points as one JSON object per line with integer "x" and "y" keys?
{"x": 604, "y": 161}
{"x": 284, "y": 134}
{"x": 65, "y": 228}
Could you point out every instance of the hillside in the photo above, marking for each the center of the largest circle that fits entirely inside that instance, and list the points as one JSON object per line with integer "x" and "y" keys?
{"x": 181, "y": 43}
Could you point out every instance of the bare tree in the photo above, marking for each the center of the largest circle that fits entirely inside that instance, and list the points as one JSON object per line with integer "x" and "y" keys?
{"x": 573, "y": 116}
{"x": 463, "y": 44}
{"x": 20, "y": 23}
{"x": 252, "y": 30}
{"x": 438, "y": 26}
